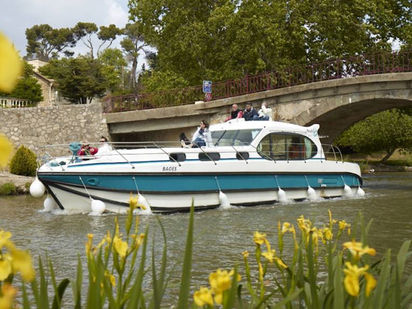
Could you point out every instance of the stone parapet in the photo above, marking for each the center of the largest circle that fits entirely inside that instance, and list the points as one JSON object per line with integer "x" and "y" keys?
{"x": 36, "y": 127}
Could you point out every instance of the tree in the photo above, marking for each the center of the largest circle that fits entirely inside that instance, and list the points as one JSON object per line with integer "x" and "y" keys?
{"x": 45, "y": 42}
{"x": 84, "y": 32}
{"x": 223, "y": 39}
{"x": 113, "y": 68}
{"x": 27, "y": 87}
{"x": 107, "y": 35}
{"x": 132, "y": 44}
{"x": 386, "y": 131}
{"x": 79, "y": 80}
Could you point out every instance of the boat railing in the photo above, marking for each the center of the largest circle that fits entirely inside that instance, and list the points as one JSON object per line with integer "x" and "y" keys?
{"x": 275, "y": 153}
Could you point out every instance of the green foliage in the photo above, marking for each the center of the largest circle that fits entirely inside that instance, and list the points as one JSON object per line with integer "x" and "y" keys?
{"x": 23, "y": 162}
{"x": 79, "y": 80}
{"x": 132, "y": 44}
{"x": 27, "y": 87}
{"x": 8, "y": 189}
{"x": 113, "y": 68}
{"x": 387, "y": 131}
{"x": 224, "y": 39}
{"x": 45, "y": 42}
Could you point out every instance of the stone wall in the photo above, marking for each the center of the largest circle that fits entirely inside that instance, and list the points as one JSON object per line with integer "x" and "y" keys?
{"x": 36, "y": 127}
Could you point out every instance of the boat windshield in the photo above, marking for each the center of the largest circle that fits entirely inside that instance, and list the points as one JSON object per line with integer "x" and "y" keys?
{"x": 234, "y": 137}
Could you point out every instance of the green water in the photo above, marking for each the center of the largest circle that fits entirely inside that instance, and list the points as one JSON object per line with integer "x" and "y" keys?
{"x": 220, "y": 235}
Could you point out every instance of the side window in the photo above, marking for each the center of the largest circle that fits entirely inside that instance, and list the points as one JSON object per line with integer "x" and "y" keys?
{"x": 209, "y": 156}
{"x": 178, "y": 156}
{"x": 277, "y": 146}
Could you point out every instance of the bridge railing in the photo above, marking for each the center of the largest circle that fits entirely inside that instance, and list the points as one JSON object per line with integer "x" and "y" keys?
{"x": 368, "y": 64}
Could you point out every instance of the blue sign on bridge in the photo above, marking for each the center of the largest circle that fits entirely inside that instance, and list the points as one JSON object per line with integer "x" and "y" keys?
{"x": 207, "y": 86}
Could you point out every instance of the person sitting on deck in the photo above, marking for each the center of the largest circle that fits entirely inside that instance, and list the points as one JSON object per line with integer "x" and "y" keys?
{"x": 104, "y": 146}
{"x": 265, "y": 113}
{"x": 86, "y": 150}
{"x": 202, "y": 136}
{"x": 235, "y": 113}
{"x": 249, "y": 112}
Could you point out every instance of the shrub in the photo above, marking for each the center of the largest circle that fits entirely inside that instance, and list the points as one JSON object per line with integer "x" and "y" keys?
{"x": 23, "y": 162}
{"x": 8, "y": 189}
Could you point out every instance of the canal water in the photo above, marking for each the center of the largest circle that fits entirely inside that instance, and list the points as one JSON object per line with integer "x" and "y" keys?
{"x": 220, "y": 235}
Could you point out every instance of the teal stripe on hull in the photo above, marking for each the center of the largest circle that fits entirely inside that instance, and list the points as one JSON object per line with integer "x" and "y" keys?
{"x": 199, "y": 183}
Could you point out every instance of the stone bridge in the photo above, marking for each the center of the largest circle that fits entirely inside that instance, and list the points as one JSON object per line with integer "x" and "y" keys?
{"x": 334, "y": 104}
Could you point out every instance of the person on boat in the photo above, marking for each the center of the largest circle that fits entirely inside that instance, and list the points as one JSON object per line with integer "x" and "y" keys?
{"x": 296, "y": 150}
{"x": 235, "y": 113}
{"x": 202, "y": 136}
{"x": 184, "y": 141}
{"x": 265, "y": 113}
{"x": 86, "y": 150}
{"x": 249, "y": 112}
{"x": 104, "y": 146}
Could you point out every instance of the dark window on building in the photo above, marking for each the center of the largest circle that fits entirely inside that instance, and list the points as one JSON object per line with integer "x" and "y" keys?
{"x": 179, "y": 156}
{"x": 209, "y": 156}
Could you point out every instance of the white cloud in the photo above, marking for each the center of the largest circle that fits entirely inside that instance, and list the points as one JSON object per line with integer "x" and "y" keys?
{"x": 18, "y": 15}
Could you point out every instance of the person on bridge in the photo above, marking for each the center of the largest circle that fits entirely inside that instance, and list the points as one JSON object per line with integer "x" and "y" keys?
{"x": 202, "y": 136}
{"x": 250, "y": 113}
{"x": 235, "y": 113}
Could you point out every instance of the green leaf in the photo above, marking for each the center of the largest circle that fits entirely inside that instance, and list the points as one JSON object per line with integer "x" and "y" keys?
{"x": 59, "y": 293}
{"x": 183, "y": 301}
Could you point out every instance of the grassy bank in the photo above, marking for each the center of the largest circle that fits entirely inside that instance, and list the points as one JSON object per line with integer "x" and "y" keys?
{"x": 398, "y": 162}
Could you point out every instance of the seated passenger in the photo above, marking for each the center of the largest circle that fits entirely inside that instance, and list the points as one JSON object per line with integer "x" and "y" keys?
{"x": 249, "y": 112}
{"x": 265, "y": 113}
{"x": 104, "y": 146}
{"x": 86, "y": 150}
{"x": 235, "y": 113}
{"x": 202, "y": 136}
{"x": 296, "y": 150}
{"x": 184, "y": 141}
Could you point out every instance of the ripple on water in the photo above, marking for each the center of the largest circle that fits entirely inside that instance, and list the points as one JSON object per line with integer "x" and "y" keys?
{"x": 220, "y": 235}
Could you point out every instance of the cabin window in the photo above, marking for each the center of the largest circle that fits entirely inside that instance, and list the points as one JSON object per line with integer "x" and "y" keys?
{"x": 243, "y": 155}
{"x": 234, "y": 137}
{"x": 179, "y": 157}
{"x": 209, "y": 156}
{"x": 283, "y": 146}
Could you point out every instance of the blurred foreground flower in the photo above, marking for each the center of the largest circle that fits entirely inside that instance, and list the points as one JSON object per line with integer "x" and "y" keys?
{"x": 11, "y": 66}
{"x": 5, "y": 150}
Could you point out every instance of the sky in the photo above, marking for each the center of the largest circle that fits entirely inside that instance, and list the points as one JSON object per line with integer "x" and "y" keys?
{"x": 17, "y": 15}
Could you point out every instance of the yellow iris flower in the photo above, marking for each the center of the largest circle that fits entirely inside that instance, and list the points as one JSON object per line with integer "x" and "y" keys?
{"x": 203, "y": 297}
{"x": 11, "y": 65}
{"x": 5, "y": 150}
{"x": 259, "y": 238}
{"x": 370, "y": 283}
{"x": 111, "y": 278}
{"x": 352, "y": 274}
{"x": 8, "y": 292}
{"x": 5, "y": 267}
{"x": 220, "y": 281}
{"x": 287, "y": 227}
{"x": 120, "y": 246}
{"x": 270, "y": 255}
{"x": 245, "y": 254}
{"x": 280, "y": 263}
{"x": 89, "y": 243}
{"x": 21, "y": 262}
{"x": 5, "y": 239}
{"x": 357, "y": 249}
